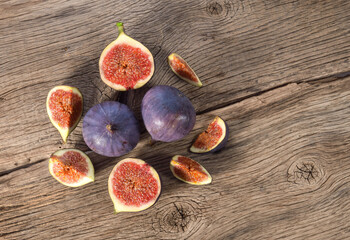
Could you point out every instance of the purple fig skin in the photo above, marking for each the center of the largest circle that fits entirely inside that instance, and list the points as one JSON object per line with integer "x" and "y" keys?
{"x": 167, "y": 113}
{"x": 110, "y": 129}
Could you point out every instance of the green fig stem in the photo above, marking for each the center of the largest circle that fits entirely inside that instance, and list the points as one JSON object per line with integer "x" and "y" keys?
{"x": 120, "y": 27}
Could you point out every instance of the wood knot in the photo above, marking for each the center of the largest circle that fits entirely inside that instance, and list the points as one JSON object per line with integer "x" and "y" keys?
{"x": 305, "y": 172}
{"x": 177, "y": 218}
{"x": 214, "y": 8}
{"x": 228, "y": 8}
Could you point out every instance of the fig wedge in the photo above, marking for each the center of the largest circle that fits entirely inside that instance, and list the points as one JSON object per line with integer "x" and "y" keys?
{"x": 213, "y": 138}
{"x": 181, "y": 68}
{"x": 189, "y": 171}
{"x": 64, "y": 106}
{"x": 71, "y": 167}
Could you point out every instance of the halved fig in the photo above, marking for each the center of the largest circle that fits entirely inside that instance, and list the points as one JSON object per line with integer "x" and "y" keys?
{"x": 64, "y": 106}
{"x": 126, "y": 63}
{"x": 213, "y": 138}
{"x": 189, "y": 171}
{"x": 133, "y": 185}
{"x": 71, "y": 167}
{"x": 181, "y": 68}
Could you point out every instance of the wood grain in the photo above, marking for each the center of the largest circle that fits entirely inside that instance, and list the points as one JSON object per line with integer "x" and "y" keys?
{"x": 277, "y": 71}
{"x": 238, "y": 49}
{"x": 283, "y": 174}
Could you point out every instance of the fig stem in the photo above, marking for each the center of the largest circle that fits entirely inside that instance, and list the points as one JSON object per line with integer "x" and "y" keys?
{"x": 111, "y": 128}
{"x": 120, "y": 27}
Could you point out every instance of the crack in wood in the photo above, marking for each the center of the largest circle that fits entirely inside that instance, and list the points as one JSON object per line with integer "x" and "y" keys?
{"x": 123, "y": 96}
{"x": 6, "y": 172}
{"x": 214, "y": 8}
{"x": 8, "y": 233}
{"x": 327, "y": 79}
{"x": 182, "y": 221}
{"x": 177, "y": 217}
{"x": 306, "y": 171}
{"x": 6, "y": 208}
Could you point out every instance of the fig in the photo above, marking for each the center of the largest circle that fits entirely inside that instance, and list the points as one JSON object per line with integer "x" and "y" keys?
{"x": 64, "y": 105}
{"x": 213, "y": 138}
{"x": 189, "y": 171}
{"x": 167, "y": 113}
{"x": 110, "y": 129}
{"x": 71, "y": 167}
{"x": 125, "y": 63}
{"x": 181, "y": 68}
{"x": 133, "y": 185}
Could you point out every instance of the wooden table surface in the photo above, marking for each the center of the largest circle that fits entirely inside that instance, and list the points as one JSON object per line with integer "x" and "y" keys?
{"x": 278, "y": 71}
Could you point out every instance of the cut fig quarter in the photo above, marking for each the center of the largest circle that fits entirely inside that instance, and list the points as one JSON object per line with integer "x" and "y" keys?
{"x": 64, "y": 106}
{"x": 181, "y": 68}
{"x": 126, "y": 63}
{"x": 133, "y": 185}
{"x": 189, "y": 171}
{"x": 213, "y": 138}
{"x": 71, "y": 167}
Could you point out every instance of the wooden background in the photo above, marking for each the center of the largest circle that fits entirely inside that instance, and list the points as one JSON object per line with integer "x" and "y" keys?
{"x": 277, "y": 70}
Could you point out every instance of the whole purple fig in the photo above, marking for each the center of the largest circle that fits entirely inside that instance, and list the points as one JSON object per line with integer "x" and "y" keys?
{"x": 167, "y": 113}
{"x": 110, "y": 129}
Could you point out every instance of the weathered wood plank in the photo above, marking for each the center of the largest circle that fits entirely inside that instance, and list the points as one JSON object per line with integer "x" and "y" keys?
{"x": 284, "y": 174}
{"x": 238, "y": 48}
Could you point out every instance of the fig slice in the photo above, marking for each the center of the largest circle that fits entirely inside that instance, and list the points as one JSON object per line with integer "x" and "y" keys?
{"x": 189, "y": 171}
{"x": 64, "y": 106}
{"x": 71, "y": 167}
{"x": 126, "y": 63}
{"x": 181, "y": 68}
{"x": 213, "y": 138}
{"x": 133, "y": 185}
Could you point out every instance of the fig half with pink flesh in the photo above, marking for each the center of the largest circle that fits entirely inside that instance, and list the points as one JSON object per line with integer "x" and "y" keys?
{"x": 213, "y": 138}
{"x": 126, "y": 63}
{"x": 64, "y": 106}
{"x": 133, "y": 185}
{"x": 181, "y": 68}
{"x": 71, "y": 167}
{"x": 189, "y": 171}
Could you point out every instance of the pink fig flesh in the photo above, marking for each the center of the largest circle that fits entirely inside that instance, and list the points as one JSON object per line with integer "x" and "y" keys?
{"x": 133, "y": 185}
{"x": 126, "y": 63}
{"x": 213, "y": 138}
{"x": 71, "y": 167}
{"x": 189, "y": 171}
{"x": 64, "y": 106}
{"x": 181, "y": 68}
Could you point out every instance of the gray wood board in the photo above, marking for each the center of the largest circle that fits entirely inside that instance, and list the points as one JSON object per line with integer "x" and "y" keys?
{"x": 238, "y": 48}
{"x": 275, "y": 70}
{"x": 283, "y": 174}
